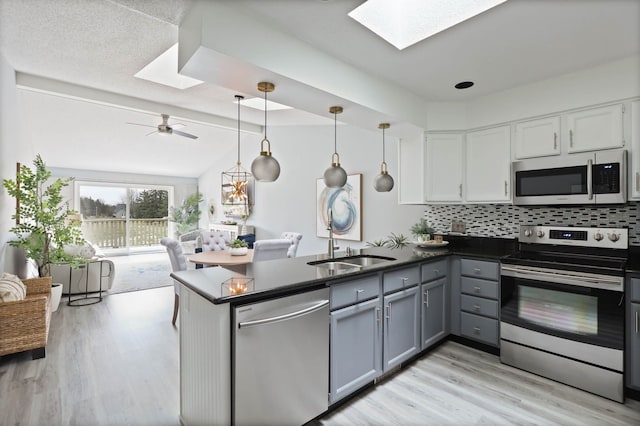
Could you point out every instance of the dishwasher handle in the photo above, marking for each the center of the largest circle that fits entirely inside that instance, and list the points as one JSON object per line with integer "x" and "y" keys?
{"x": 284, "y": 317}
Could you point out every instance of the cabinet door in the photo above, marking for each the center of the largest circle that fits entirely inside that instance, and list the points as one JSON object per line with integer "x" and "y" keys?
{"x": 434, "y": 312}
{"x": 633, "y": 346}
{"x": 401, "y": 326}
{"x": 444, "y": 165}
{"x": 538, "y": 138}
{"x": 488, "y": 174}
{"x": 593, "y": 129}
{"x": 634, "y": 176}
{"x": 410, "y": 171}
{"x": 356, "y": 348}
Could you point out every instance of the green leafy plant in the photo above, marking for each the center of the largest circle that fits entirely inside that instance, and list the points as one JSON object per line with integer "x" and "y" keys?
{"x": 186, "y": 216}
{"x": 377, "y": 243}
{"x": 396, "y": 241}
{"x": 44, "y": 224}
{"x": 238, "y": 243}
{"x": 422, "y": 228}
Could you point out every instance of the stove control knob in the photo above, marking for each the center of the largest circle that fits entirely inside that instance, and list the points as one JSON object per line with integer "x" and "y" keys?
{"x": 598, "y": 236}
{"x": 540, "y": 234}
{"x": 614, "y": 237}
{"x": 528, "y": 232}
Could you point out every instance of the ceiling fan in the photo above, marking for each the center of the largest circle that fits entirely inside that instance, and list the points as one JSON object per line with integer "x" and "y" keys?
{"x": 165, "y": 128}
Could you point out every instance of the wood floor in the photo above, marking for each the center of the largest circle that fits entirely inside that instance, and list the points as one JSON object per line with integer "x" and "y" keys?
{"x": 116, "y": 363}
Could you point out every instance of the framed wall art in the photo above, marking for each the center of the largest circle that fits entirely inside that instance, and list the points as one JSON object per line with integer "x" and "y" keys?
{"x": 346, "y": 207}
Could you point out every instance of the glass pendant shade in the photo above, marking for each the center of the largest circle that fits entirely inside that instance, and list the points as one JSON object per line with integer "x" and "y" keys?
{"x": 383, "y": 182}
{"x": 335, "y": 176}
{"x": 265, "y": 168}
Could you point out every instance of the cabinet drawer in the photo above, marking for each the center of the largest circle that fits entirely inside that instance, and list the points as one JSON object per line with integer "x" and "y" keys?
{"x": 482, "y": 288}
{"x": 402, "y": 278}
{"x": 434, "y": 270}
{"x": 479, "y": 328}
{"x": 634, "y": 290}
{"x": 480, "y": 306}
{"x": 350, "y": 292}
{"x": 480, "y": 269}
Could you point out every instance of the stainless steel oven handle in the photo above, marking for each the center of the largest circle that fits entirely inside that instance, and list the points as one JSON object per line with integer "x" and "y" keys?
{"x": 590, "y": 179}
{"x": 284, "y": 317}
{"x": 527, "y": 273}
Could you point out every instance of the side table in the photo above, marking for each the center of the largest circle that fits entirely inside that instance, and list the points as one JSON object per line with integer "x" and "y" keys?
{"x": 88, "y": 298}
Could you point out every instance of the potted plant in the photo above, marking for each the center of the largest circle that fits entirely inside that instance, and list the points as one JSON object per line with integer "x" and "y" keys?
{"x": 422, "y": 231}
{"x": 238, "y": 247}
{"x": 45, "y": 224}
{"x": 187, "y": 216}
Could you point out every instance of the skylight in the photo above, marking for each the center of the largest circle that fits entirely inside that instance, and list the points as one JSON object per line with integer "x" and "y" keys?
{"x": 164, "y": 70}
{"x": 258, "y": 103}
{"x": 403, "y": 23}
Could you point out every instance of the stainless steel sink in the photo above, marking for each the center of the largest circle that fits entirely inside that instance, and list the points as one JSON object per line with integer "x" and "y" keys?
{"x": 351, "y": 262}
{"x": 337, "y": 266}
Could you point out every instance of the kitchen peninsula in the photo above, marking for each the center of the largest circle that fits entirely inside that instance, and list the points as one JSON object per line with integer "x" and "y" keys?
{"x": 211, "y": 383}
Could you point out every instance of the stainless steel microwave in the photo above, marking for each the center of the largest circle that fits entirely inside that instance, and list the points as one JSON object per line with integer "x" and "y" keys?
{"x": 583, "y": 178}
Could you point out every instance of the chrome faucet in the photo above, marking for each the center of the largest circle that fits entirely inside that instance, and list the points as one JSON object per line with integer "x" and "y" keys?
{"x": 330, "y": 229}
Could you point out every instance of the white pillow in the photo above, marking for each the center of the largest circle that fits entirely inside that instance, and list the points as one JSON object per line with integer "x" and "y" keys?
{"x": 86, "y": 251}
{"x": 11, "y": 288}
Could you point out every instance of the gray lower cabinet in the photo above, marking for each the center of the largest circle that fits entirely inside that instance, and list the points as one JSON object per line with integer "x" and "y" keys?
{"x": 401, "y": 326}
{"x": 478, "y": 300}
{"x": 356, "y": 348}
{"x": 434, "y": 312}
{"x": 633, "y": 334}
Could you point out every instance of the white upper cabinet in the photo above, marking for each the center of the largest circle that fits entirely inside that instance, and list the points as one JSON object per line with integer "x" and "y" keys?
{"x": 537, "y": 138}
{"x": 593, "y": 129}
{"x": 410, "y": 171}
{"x": 444, "y": 167}
{"x": 634, "y": 175}
{"x": 488, "y": 177}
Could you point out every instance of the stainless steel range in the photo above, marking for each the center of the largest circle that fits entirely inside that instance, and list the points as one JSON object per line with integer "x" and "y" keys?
{"x": 562, "y": 306}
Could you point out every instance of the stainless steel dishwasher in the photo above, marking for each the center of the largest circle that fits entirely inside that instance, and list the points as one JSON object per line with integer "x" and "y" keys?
{"x": 281, "y": 360}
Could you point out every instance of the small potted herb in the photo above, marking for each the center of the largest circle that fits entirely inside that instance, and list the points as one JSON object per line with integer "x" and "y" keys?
{"x": 422, "y": 231}
{"x": 238, "y": 247}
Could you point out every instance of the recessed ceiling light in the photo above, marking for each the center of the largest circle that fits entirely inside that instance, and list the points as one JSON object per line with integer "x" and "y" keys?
{"x": 258, "y": 103}
{"x": 406, "y": 22}
{"x": 164, "y": 70}
{"x": 464, "y": 85}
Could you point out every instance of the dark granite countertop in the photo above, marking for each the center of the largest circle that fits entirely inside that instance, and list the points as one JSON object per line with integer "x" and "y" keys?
{"x": 284, "y": 276}
{"x": 633, "y": 261}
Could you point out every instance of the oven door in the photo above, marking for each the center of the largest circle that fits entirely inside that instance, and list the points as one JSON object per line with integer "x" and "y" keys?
{"x": 582, "y": 307}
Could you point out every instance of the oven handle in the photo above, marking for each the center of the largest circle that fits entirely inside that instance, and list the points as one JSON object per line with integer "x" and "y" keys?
{"x": 562, "y": 278}
{"x": 590, "y": 179}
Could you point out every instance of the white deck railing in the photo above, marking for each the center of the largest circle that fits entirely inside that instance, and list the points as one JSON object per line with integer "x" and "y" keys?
{"x": 112, "y": 233}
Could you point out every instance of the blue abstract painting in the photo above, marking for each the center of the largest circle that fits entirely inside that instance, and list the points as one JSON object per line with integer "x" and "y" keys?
{"x": 345, "y": 205}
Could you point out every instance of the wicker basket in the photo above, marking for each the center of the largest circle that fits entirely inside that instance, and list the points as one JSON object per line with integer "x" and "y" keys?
{"x": 24, "y": 324}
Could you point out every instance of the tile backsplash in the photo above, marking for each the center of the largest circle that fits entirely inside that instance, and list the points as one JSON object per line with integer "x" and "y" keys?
{"x": 503, "y": 220}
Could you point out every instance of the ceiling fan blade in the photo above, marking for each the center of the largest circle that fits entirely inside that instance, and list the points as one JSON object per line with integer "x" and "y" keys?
{"x": 186, "y": 135}
{"x": 139, "y": 124}
{"x": 149, "y": 134}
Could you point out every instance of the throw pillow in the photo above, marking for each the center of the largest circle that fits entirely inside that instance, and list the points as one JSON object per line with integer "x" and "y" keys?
{"x": 11, "y": 288}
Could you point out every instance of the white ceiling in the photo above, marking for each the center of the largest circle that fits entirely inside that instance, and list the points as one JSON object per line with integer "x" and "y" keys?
{"x": 92, "y": 49}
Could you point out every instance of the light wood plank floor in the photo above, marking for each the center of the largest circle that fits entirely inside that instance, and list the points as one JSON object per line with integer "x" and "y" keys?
{"x": 116, "y": 363}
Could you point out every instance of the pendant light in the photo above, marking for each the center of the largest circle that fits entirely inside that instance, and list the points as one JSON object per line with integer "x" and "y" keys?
{"x": 335, "y": 176}
{"x": 383, "y": 182}
{"x": 265, "y": 167}
{"x": 236, "y": 179}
